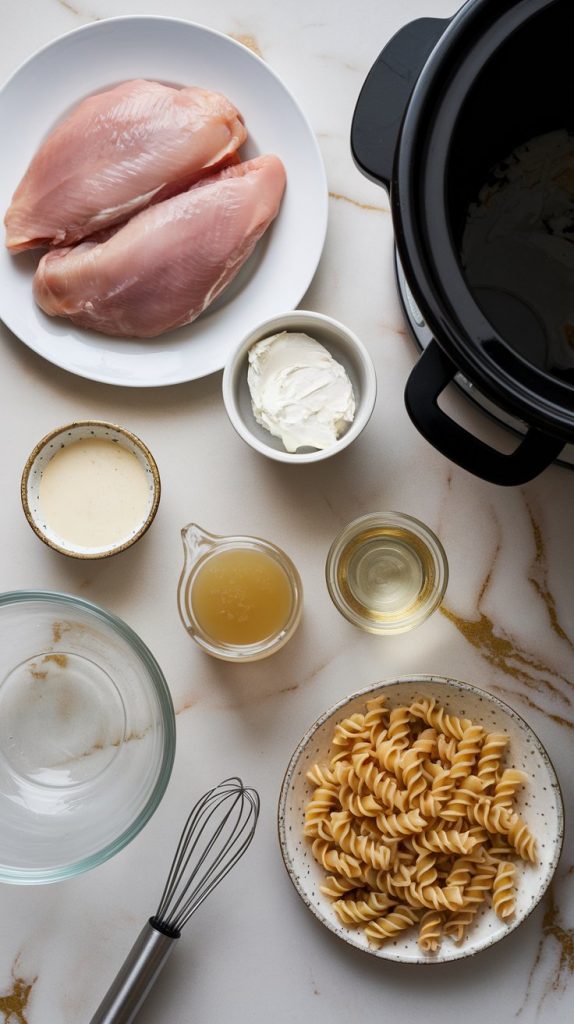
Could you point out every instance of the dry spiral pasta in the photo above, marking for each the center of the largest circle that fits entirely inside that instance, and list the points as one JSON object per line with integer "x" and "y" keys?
{"x": 503, "y": 899}
{"x": 413, "y": 819}
{"x": 430, "y": 931}
{"x": 364, "y": 848}
{"x": 334, "y": 886}
{"x": 506, "y": 786}
{"x": 488, "y": 767}
{"x": 376, "y": 719}
{"x": 358, "y": 911}
{"x": 388, "y": 926}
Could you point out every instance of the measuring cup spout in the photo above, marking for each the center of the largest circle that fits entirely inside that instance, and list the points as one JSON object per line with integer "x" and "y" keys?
{"x": 196, "y": 542}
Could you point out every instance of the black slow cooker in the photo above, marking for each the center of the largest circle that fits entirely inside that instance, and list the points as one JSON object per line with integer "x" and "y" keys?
{"x": 445, "y": 102}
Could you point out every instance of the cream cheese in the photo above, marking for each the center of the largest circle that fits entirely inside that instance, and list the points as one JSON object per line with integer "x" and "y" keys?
{"x": 299, "y": 392}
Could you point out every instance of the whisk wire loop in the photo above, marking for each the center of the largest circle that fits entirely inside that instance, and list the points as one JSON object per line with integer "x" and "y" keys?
{"x": 215, "y": 835}
{"x": 188, "y": 885}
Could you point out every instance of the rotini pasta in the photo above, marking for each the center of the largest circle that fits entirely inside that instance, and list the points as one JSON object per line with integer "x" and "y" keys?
{"x": 376, "y": 720}
{"x": 387, "y": 927}
{"x": 467, "y": 752}
{"x": 488, "y": 766}
{"x": 383, "y": 786}
{"x": 321, "y": 775}
{"x": 349, "y": 730}
{"x": 462, "y": 799}
{"x": 364, "y": 848}
{"x": 359, "y": 911}
{"x": 334, "y": 886}
{"x": 413, "y": 820}
{"x": 429, "y": 931}
{"x": 506, "y": 787}
{"x": 503, "y": 890}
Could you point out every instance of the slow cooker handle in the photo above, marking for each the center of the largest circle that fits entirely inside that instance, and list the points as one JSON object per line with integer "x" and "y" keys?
{"x": 433, "y": 371}
{"x": 385, "y": 95}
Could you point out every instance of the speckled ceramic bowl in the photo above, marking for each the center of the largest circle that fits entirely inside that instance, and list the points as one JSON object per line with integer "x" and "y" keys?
{"x": 60, "y": 438}
{"x": 539, "y": 802}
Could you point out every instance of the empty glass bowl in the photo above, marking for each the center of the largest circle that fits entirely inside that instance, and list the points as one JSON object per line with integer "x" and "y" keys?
{"x": 87, "y": 736}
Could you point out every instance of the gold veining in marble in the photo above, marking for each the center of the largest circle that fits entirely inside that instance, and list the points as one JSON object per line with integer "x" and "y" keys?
{"x": 249, "y": 41}
{"x": 289, "y": 689}
{"x": 538, "y": 577}
{"x": 80, "y": 14}
{"x": 503, "y": 652}
{"x": 505, "y": 655}
{"x": 101, "y": 745}
{"x": 355, "y": 202}
{"x": 68, "y": 6}
{"x": 65, "y": 626}
{"x": 245, "y": 699}
{"x": 558, "y": 719}
{"x": 488, "y": 577}
{"x": 37, "y": 673}
{"x": 563, "y": 967}
{"x": 13, "y": 1005}
{"x": 332, "y": 509}
{"x": 189, "y": 703}
{"x": 317, "y": 669}
{"x": 61, "y": 660}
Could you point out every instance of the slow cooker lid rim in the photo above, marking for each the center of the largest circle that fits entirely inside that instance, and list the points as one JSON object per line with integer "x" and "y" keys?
{"x": 531, "y": 404}
{"x": 461, "y": 23}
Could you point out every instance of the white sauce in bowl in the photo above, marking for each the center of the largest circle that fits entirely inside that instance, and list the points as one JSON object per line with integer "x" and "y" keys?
{"x": 94, "y": 493}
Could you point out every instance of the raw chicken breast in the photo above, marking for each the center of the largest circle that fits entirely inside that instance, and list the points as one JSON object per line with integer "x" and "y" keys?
{"x": 162, "y": 268}
{"x": 115, "y": 153}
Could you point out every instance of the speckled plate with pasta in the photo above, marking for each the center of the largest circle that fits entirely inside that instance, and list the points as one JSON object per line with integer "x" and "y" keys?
{"x": 537, "y": 803}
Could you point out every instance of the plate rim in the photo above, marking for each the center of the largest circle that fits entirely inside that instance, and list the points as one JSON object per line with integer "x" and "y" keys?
{"x": 382, "y": 953}
{"x": 323, "y": 211}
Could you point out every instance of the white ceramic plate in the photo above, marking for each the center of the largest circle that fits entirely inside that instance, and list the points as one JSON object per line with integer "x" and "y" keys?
{"x": 539, "y": 802}
{"x": 98, "y": 56}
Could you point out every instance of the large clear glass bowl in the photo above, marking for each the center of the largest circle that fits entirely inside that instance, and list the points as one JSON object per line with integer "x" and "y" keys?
{"x": 87, "y": 736}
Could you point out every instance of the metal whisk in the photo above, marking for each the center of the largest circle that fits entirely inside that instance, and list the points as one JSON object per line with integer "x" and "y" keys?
{"x": 216, "y": 834}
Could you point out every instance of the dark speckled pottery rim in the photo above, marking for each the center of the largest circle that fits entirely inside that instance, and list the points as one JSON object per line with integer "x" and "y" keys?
{"x": 123, "y": 432}
{"x": 368, "y": 691}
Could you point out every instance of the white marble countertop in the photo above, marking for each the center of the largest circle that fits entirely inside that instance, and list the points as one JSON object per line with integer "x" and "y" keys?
{"x": 507, "y": 623}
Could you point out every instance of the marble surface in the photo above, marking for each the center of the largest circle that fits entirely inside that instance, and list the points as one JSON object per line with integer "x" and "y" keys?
{"x": 507, "y": 623}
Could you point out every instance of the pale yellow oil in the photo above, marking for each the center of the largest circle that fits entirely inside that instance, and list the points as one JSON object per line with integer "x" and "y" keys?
{"x": 386, "y": 573}
{"x": 241, "y": 596}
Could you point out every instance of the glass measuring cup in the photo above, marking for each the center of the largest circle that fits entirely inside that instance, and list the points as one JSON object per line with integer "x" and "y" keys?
{"x": 239, "y": 597}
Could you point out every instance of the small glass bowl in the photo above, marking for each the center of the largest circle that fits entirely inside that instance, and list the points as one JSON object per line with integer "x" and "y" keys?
{"x": 87, "y": 736}
{"x": 199, "y": 547}
{"x": 386, "y": 572}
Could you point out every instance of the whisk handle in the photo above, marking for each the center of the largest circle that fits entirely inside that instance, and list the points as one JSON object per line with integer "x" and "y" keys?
{"x": 136, "y": 977}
